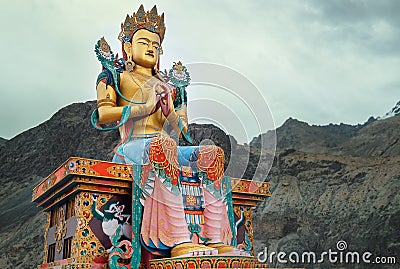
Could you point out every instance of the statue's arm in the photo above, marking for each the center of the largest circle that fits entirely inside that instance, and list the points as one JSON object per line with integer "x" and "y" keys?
{"x": 106, "y": 103}
{"x": 108, "y": 109}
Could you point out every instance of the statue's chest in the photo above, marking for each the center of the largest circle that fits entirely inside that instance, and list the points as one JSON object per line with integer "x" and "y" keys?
{"x": 135, "y": 89}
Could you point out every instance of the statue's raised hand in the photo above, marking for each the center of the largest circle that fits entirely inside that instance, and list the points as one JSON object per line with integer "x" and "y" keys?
{"x": 163, "y": 97}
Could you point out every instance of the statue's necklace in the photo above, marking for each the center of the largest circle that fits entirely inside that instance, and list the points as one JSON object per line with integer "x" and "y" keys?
{"x": 147, "y": 77}
{"x": 143, "y": 75}
{"x": 141, "y": 86}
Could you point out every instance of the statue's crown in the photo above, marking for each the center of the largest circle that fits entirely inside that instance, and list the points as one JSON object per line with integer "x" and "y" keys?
{"x": 149, "y": 20}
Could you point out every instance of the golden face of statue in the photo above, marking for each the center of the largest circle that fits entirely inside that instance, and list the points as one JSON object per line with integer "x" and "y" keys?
{"x": 145, "y": 48}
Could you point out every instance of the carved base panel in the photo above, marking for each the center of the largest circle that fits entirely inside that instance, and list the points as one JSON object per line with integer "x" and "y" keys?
{"x": 74, "y": 263}
{"x": 75, "y": 238}
{"x": 206, "y": 262}
{"x": 83, "y": 194}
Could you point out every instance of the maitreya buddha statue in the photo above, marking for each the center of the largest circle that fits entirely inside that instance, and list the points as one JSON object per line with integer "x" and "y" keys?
{"x": 183, "y": 207}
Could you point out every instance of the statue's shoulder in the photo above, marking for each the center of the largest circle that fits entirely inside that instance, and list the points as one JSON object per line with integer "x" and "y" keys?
{"x": 126, "y": 81}
{"x": 112, "y": 66}
{"x": 107, "y": 77}
{"x": 123, "y": 76}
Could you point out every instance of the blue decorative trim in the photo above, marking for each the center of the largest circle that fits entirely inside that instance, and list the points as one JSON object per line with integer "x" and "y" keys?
{"x": 228, "y": 199}
{"x": 186, "y": 135}
{"x": 181, "y": 97}
{"x": 247, "y": 242}
{"x": 196, "y": 229}
{"x": 126, "y": 38}
{"x": 136, "y": 216}
{"x": 106, "y": 74}
{"x": 160, "y": 249}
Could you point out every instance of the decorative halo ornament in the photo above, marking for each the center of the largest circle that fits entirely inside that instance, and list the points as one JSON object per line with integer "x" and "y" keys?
{"x": 105, "y": 50}
{"x": 180, "y": 78}
{"x": 105, "y": 55}
{"x": 178, "y": 75}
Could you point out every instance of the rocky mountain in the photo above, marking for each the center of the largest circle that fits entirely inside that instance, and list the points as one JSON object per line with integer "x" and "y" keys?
{"x": 373, "y": 138}
{"x": 309, "y": 138}
{"x": 329, "y": 182}
{"x": 380, "y": 138}
{"x": 2, "y": 141}
{"x": 393, "y": 112}
{"x": 301, "y": 136}
{"x": 336, "y": 138}
{"x": 319, "y": 200}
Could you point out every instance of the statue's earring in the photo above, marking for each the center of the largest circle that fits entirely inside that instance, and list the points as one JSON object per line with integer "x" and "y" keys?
{"x": 129, "y": 64}
{"x": 156, "y": 67}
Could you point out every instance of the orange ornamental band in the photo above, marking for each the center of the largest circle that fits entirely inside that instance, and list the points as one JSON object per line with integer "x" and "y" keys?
{"x": 75, "y": 166}
{"x": 77, "y": 174}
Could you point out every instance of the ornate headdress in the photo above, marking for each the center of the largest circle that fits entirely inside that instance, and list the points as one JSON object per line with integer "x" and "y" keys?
{"x": 149, "y": 20}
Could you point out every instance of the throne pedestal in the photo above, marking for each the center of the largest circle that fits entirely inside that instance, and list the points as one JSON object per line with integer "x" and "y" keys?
{"x": 75, "y": 236}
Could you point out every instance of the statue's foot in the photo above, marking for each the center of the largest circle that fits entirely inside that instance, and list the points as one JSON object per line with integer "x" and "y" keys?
{"x": 190, "y": 249}
{"x": 222, "y": 248}
{"x": 228, "y": 250}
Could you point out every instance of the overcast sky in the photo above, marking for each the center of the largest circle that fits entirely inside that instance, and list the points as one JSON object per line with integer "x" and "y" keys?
{"x": 318, "y": 61}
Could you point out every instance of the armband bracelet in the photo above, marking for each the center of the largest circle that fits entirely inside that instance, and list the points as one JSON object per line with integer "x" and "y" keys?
{"x": 126, "y": 111}
{"x": 105, "y": 102}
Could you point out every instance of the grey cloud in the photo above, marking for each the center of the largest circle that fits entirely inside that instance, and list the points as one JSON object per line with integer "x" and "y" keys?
{"x": 311, "y": 59}
{"x": 373, "y": 26}
{"x": 347, "y": 11}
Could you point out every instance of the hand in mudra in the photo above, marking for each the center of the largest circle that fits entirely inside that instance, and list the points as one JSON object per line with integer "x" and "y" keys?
{"x": 163, "y": 98}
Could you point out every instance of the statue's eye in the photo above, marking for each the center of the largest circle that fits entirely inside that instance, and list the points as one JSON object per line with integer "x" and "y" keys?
{"x": 142, "y": 43}
{"x": 155, "y": 47}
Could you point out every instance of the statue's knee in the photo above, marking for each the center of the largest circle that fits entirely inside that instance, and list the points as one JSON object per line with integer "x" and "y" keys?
{"x": 211, "y": 160}
{"x": 162, "y": 148}
{"x": 162, "y": 140}
{"x": 211, "y": 153}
